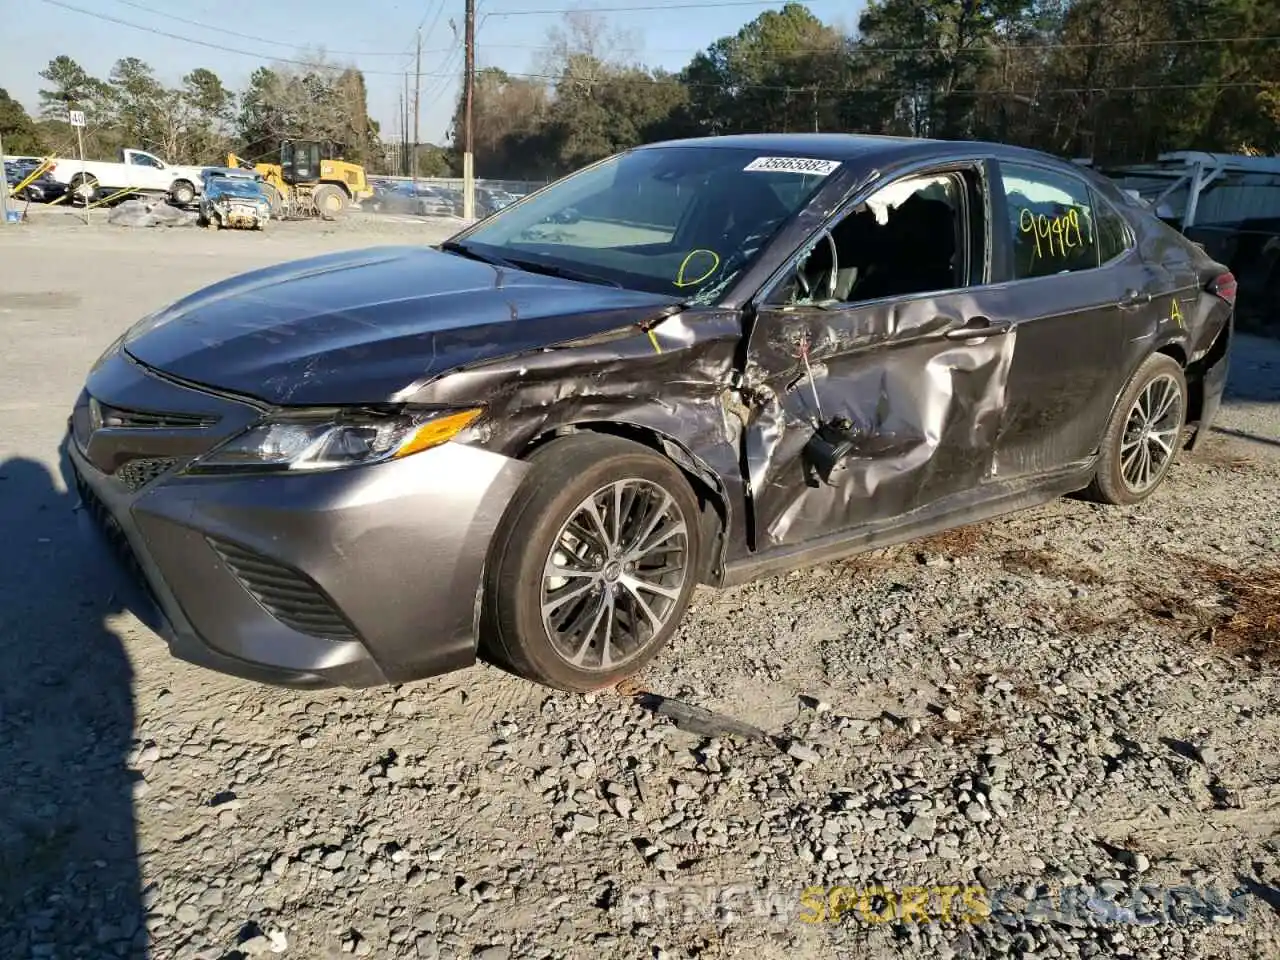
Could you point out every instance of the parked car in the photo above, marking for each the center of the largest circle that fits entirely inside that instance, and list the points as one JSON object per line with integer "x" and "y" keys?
{"x": 747, "y": 353}
{"x": 434, "y": 202}
{"x": 489, "y": 201}
{"x": 234, "y": 198}
{"x": 406, "y": 197}
{"x": 43, "y": 189}
{"x": 144, "y": 172}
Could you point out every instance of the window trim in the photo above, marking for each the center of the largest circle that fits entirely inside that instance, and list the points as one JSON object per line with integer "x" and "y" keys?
{"x": 976, "y": 166}
{"x": 1095, "y": 199}
{"x": 1130, "y": 239}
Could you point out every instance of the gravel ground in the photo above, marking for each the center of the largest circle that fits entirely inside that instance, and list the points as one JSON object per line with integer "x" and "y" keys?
{"x": 1049, "y": 736}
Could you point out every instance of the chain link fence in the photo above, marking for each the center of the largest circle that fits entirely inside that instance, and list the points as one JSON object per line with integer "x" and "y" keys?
{"x": 516, "y": 188}
{"x": 442, "y": 196}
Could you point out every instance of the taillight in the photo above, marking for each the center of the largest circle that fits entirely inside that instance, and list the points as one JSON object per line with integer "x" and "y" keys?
{"x": 1223, "y": 286}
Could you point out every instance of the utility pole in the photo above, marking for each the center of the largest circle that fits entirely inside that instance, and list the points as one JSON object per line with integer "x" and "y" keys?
{"x": 417, "y": 98}
{"x": 404, "y": 128}
{"x": 468, "y": 94}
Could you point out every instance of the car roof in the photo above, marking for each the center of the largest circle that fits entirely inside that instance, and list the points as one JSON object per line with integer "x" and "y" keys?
{"x": 858, "y": 147}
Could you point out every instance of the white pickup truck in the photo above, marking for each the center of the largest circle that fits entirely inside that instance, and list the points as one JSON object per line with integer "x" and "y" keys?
{"x": 136, "y": 169}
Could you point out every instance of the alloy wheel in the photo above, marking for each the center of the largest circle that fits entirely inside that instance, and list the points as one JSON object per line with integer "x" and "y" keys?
{"x": 615, "y": 574}
{"x": 1151, "y": 434}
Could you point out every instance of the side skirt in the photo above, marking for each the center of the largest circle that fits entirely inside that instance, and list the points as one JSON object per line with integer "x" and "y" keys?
{"x": 997, "y": 499}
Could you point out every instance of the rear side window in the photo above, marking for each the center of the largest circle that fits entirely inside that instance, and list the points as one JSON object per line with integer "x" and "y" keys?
{"x": 1051, "y": 222}
{"x": 1113, "y": 232}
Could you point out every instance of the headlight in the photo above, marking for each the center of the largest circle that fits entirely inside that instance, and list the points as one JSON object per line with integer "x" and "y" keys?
{"x": 298, "y": 442}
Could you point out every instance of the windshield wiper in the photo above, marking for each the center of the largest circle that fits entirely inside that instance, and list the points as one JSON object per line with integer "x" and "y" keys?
{"x": 529, "y": 266}
{"x": 567, "y": 273}
{"x": 533, "y": 266}
{"x": 453, "y": 246}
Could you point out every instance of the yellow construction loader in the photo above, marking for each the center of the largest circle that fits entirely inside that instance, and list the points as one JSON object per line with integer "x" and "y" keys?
{"x": 311, "y": 178}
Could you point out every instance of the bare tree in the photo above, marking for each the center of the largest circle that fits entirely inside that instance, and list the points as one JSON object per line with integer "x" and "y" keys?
{"x": 584, "y": 49}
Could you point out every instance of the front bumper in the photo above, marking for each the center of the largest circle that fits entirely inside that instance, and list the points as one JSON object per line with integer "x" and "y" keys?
{"x": 353, "y": 578}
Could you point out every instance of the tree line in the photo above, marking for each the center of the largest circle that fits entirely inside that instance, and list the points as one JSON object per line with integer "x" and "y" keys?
{"x": 200, "y": 120}
{"x": 1113, "y": 80}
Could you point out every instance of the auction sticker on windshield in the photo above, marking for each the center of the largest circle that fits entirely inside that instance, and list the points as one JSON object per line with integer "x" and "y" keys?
{"x": 819, "y": 168}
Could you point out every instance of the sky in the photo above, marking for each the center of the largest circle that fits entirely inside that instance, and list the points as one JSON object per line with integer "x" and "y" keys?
{"x": 376, "y": 35}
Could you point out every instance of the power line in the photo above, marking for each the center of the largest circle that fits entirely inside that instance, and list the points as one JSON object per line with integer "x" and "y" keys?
{"x": 439, "y": 9}
{"x": 439, "y": 6}
{"x": 249, "y": 36}
{"x": 843, "y": 91}
{"x": 205, "y": 43}
{"x": 446, "y": 75}
{"x": 701, "y": 5}
{"x": 923, "y": 48}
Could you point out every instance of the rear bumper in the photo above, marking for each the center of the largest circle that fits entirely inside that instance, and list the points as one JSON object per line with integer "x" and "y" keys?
{"x": 380, "y": 568}
{"x": 1213, "y": 384}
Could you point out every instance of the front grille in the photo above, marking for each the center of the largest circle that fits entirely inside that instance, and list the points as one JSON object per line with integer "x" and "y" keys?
{"x": 287, "y": 594}
{"x": 136, "y": 474}
{"x": 114, "y": 534}
{"x": 121, "y": 418}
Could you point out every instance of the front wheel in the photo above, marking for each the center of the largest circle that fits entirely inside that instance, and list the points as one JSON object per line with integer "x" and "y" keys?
{"x": 593, "y": 566}
{"x": 1143, "y": 435}
{"x": 182, "y": 193}
{"x": 329, "y": 200}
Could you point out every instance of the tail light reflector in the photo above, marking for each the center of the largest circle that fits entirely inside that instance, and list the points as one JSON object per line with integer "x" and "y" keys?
{"x": 1223, "y": 286}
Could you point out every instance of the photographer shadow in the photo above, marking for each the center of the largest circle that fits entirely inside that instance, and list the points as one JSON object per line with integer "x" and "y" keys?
{"x": 69, "y": 874}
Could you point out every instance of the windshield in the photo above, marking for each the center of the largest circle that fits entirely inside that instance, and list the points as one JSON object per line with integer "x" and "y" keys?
{"x": 234, "y": 187}
{"x": 676, "y": 220}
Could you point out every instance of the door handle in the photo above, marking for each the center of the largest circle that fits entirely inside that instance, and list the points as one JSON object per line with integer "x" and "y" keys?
{"x": 1133, "y": 299}
{"x": 976, "y": 327}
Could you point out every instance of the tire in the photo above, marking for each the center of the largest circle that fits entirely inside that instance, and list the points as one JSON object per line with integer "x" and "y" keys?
{"x": 83, "y": 188}
{"x": 565, "y": 474}
{"x": 329, "y": 200}
{"x": 182, "y": 193}
{"x": 1123, "y": 439}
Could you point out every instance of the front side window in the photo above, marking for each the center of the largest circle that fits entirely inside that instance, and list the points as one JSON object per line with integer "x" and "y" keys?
{"x": 1051, "y": 222}
{"x": 678, "y": 220}
{"x": 906, "y": 239}
{"x": 144, "y": 160}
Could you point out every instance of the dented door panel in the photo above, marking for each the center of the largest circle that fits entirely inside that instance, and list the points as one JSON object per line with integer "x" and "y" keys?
{"x": 923, "y": 410}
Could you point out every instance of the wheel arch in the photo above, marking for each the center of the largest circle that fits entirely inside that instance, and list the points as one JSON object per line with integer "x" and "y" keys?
{"x": 1173, "y": 349}
{"x": 707, "y": 485}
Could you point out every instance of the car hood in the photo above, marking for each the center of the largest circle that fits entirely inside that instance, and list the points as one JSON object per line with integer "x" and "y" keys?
{"x": 360, "y": 326}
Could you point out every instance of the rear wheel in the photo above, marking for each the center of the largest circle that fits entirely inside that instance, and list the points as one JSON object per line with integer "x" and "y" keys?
{"x": 329, "y": 200}
{"x": 84, "y": 189}
{"x": 182, "y": 193}
{"x": 593, "y": 566}
{"x": 1143, "y": 435}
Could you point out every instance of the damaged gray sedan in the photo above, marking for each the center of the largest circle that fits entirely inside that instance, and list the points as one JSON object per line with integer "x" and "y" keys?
{"x": 698, "y": 362}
